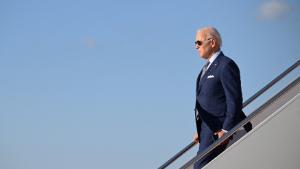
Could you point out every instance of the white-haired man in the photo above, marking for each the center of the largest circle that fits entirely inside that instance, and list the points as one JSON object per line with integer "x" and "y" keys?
{"x": 218, "y": 94}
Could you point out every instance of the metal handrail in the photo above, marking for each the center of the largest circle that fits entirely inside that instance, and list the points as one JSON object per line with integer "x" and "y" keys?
{"x": 180, "y": 153}
{"x": 269, "y": 85}
{"x": 232, "y": 131}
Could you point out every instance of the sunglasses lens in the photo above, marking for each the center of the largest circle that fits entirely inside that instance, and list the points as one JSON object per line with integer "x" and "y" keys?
{"x": 199, "y": 43}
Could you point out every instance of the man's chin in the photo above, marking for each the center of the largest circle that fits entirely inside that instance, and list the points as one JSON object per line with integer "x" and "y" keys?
{"x": 202, "y": 57}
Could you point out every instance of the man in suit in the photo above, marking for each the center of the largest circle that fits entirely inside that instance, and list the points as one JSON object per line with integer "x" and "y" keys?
{"x": 218, "y": 94}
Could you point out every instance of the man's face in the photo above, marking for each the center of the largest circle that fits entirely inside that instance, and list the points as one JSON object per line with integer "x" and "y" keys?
{"x": 203, "y": 46}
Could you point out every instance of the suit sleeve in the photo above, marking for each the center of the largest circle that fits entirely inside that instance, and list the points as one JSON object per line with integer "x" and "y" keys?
{"x": 198, "y": 118}
{"x": 230, "y": 79}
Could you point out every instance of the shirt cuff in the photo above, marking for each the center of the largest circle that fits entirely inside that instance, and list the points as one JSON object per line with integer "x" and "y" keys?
{"x": 224, "y": 130}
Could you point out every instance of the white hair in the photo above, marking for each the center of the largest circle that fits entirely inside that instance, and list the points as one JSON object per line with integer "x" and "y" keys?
{"x": 211, "y": 32}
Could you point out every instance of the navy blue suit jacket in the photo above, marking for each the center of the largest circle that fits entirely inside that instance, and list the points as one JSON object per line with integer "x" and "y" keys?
{"x": 219, "y": 95}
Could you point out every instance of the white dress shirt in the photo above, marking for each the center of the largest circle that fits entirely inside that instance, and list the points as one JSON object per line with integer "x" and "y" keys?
{"x": 213, "y": 58}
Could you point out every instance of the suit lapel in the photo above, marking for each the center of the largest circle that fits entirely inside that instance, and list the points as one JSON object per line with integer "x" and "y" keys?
{"x": 210, "y": 70}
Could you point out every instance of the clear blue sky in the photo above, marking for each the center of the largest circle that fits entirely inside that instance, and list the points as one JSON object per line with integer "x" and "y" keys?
{"x": 110, "y": 84}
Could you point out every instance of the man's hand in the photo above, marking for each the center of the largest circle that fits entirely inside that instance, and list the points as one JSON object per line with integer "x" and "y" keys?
{"x": 196, "y": 138}
{"x": 220, "y": 134}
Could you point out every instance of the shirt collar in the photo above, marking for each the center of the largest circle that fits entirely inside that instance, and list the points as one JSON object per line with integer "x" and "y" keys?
{"x": 213, "y": 58}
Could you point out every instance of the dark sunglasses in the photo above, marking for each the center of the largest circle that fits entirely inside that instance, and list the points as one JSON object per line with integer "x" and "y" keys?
{"x": 199, "y": 43}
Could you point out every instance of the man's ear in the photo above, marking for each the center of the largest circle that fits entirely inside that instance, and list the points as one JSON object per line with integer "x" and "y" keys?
{"x": 213, "y": 43}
